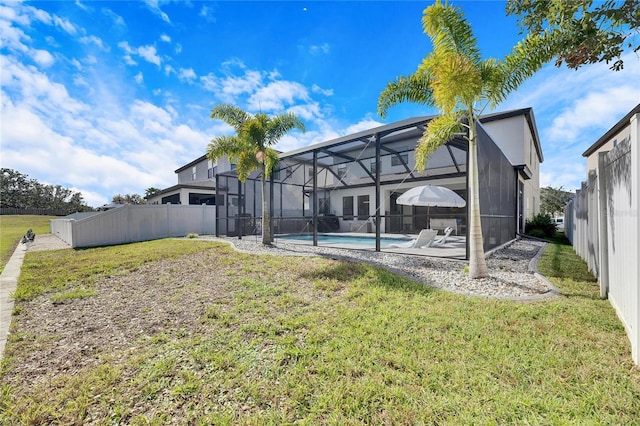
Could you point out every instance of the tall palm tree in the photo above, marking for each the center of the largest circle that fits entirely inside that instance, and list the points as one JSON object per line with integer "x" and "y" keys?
{"x": 251, "y": 148}
{"x": 460, "y": 84}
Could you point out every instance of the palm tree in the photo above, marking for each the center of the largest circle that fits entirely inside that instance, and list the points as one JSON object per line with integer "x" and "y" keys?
{"x": 251, "y": 148}
{"x": 460, "y": 84}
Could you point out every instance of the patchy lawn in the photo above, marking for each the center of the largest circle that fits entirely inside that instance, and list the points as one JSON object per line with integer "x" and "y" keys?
{"x": 192, "y": 332}
{"x": 13, "y": 227}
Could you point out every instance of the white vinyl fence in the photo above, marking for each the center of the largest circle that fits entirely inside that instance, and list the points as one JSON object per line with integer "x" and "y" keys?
{"x": 133, "y": 223}
{"x": 603, "y": 224}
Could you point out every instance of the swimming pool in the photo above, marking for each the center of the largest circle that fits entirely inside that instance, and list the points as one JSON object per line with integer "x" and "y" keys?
{"x": 329, "y": 239}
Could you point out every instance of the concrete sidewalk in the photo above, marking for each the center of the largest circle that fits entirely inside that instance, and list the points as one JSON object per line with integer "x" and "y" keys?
{"x": 8, "y": 283}
{"x": 10, "y": 275}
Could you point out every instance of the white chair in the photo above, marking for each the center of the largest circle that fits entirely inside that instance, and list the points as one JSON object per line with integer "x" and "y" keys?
{"x": 443, "y": 239}
{"x": 425, "y": 239}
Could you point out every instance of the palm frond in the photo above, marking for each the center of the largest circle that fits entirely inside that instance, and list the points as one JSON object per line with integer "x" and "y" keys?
{"x": 449, "y": 31}
{"x": 254, "y": 131}
{"x": 230, "y": 114}
{"x": 246, "y": 163}
{"x": 281, "y": 125}
{"x": 439, "y": 131}
{"x": 413, "y": 88}
{"x": 225, "y": 145}
{"x": 525, "y": 59}
{"x": 492, "y": 75}
{"x": 455, "y": 81}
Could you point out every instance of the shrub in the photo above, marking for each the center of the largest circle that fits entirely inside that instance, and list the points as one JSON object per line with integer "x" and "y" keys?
{"x": 540, "y": 225}
{"x": 192, "y": 235}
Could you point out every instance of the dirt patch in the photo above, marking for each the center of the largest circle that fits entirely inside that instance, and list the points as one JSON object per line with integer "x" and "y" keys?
{"x": 47, "y": 242}
{"x": 127, "y": 312}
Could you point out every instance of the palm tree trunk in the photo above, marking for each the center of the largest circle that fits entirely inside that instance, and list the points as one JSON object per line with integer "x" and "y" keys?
{"x": 477, "y": 263}
{"x": 266, "y": 219}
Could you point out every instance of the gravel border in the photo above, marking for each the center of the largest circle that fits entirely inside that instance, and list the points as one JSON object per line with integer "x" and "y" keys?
{"x": 512, "y": 267}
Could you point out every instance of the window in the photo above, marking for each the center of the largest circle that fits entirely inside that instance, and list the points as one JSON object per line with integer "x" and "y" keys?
{"x": 363, "y": 207}
{"x": 193, "y": 173}
{"x": 373, "y": 166}
{"x": 347, "y": 208}
{"x": 397, "y": 159}
{"x": 342, "y": 171}
{"x": 276, "y": 172}
{"x": 232, "y": 166}
{"x": 211, "y": 170}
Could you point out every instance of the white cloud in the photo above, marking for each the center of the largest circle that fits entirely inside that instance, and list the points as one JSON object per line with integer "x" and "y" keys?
{"x": 148, "y": 53}
{"x": 573, "y": 109}
{"x": 319, "y": 49}
{"x": 65, "y": 25}
{"x": 605, "y": 106}
{"x": 139, "y": 78}
{"x": 43, "y": 58}
{"x": 210, "y": 82}
{"x": 121, "y": 149}
{"x": 308, "y": 111}
{"x": 82, "y": 6}
{"x": 317, "y": 89}
{"x": 233, "y": 86}
{"x": 92, "y": 40}
{"x": 364, "y": 124}
{"x": 207, "y": 13}
{"x": 275, "y": 95}
{"x": 178, "y": 48}
{"x": 153, "y": 6}
{"x": 117, "y": 19}
{"x": 165, "y": 38}
{"x": 187, "y": 74}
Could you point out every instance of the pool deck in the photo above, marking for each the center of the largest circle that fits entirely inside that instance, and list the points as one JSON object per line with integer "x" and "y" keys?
{"x": 454, "y": 248}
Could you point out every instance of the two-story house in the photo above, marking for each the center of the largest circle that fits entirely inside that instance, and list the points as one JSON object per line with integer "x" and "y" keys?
{"x": 196, "y": 184}
{"x": 352, "y": 182}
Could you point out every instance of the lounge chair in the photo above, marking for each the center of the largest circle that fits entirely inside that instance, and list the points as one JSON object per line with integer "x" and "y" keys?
{"x": 443, "y": 239}
{"x": 425, "y": 239}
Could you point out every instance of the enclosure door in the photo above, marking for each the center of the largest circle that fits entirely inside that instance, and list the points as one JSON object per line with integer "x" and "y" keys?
{"x": 394, "y": 220}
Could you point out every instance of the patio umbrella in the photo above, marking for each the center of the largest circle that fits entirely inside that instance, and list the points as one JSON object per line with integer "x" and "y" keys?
{"x": 431, "y": 195}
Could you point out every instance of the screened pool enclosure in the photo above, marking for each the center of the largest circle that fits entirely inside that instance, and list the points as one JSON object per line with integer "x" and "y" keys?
{"x": 351, "y": 184}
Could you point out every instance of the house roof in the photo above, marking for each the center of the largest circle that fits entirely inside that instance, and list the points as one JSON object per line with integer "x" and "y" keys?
{"x": 362, "y": 136}
{"x": 191, "y": 164}
{"x": 612, "y": 131}
{"x": 180, "y": 186}
{"x": 528, "y": 115}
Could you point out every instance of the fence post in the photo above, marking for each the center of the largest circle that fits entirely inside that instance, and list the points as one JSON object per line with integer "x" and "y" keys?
{"x": 635, "y": 212}
{"x": 603, "y": 224}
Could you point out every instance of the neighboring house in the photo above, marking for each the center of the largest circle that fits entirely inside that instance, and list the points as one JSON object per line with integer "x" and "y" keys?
{"x": 355, "y": 181}
{"x": 196, "y": 184}
{"x": 620, "y": 132}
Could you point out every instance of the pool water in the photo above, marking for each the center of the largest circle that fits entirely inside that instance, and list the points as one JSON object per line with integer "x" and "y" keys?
{"x": 346, "y": 239}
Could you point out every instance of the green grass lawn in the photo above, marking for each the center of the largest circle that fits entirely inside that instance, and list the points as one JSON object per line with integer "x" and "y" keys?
{"x": 317, "y": 341}
{"x": 13, "y": 227}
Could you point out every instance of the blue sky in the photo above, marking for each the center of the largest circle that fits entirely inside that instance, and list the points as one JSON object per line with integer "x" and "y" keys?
{"x": 112, "y": 97}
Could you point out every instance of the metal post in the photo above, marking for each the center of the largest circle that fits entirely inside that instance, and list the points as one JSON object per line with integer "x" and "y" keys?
{"x": 377, "y": 192}
{"x": 239, "y": 220}
{"x": 217, "y": 221}
{"x": 315, "y": 198}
